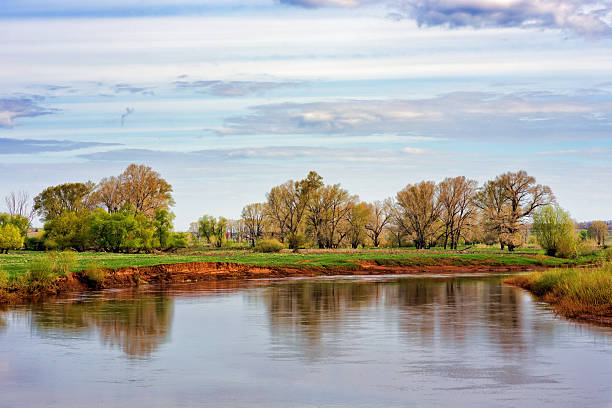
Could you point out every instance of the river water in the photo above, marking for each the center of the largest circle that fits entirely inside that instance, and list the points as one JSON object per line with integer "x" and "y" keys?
{"x": 402, "y": 341}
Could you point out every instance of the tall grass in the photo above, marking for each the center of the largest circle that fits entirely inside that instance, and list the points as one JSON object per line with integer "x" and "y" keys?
{"x": 574, "y": 292}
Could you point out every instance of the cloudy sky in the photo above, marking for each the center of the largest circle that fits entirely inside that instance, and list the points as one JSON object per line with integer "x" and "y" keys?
{"x": 229, "y": 98}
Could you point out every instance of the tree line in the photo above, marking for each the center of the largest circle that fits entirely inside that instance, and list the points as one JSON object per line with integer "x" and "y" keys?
{"x": 124, "y": 213}
{"x": 456, "y": 210}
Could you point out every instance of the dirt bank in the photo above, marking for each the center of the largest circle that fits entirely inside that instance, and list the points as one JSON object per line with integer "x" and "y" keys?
{"x": 210, "y": 271}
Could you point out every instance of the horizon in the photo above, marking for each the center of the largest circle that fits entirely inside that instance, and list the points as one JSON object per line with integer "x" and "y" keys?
{"x": 228, "y": 99}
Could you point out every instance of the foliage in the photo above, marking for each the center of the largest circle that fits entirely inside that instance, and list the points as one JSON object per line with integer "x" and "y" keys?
{"x": 574, "y": 292}
{"x": 418, "y": 212}
{"x": 254, "y": 218}
{"x": 65, "y": 262}
{"x": 4, "y": 278}
{"x": 69, "y": 229}
{"x": 598, "y": 231}
{"x": 41, "y": 272}
{"x": 268, "y": 245}
{"x": 94, "y": 273}
{"x": 554, "y": 230}
{"x": 22, "y": 223}
{"x": 73, "y": 197}
{"x": 122, "y": 231}
{"x": 163, "y": 226}
{"x": 10, "y": 238}
{"x": 213, "y": 229}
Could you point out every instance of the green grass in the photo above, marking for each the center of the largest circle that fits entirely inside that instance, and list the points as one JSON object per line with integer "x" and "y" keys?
{"x": 17, "y": 262}
{"x": 573, "y": 292}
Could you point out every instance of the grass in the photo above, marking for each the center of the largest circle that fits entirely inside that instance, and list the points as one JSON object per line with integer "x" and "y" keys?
{"x": 17, "y": 263}
{"x": 574, "y": 292}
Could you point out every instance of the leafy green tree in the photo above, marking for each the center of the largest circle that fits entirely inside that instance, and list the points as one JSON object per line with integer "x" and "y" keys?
{"x": 122, "y": 231}
{"x": 54, "y": 200}
{"x": 69, "y": 229}
{"x": 554, "y": 230}
{"x": 163, "y": 226}
{"x": 213, "y": 229}
{"x": 10, "y": 238}
{"x": 22, "y": 223}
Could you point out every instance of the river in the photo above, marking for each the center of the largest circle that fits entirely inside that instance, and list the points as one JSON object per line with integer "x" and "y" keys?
{"x": 394, "y": 341}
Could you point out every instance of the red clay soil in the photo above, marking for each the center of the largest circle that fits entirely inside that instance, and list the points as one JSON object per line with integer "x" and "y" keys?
{"x": 212, "y": 271}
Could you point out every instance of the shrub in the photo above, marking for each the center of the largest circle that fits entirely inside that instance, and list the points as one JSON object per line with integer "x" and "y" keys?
{"x": 4, "y": 278}
{"x": 587, "y": 248}
{"x": 65, "y": 262}
{"x": 567, "y": 247}
{"x": 94, "y": 273}
{"x": 34, "y": 244}
{"x": 268, "y": 245}
{"x": 41, "y": 272}
{"x": 607, "y": 254}
{"x": 296, "y": 241}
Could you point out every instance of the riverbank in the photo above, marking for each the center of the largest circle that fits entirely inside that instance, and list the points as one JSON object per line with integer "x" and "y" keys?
{"x": 92, "y": 270}
{"x": 579, "y": 293}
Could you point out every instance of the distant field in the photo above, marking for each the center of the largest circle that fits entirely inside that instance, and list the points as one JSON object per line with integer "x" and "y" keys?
{"x": 16, "y": 262}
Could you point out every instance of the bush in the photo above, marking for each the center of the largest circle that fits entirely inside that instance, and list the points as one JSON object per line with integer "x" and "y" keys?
{"x": 296, "y": 241}
{"x": 607, "y": 254}
{"x": 4, "y": 278}
{"x": 268, "y": 245}
{"x": 567, "y": 247}
{"x": 587, "y": 248}
{"x": 41, "y": 272}
{"x": 94, "y": 273}
{"x": 34, "y": 244}
{"x": 66, "y": 262}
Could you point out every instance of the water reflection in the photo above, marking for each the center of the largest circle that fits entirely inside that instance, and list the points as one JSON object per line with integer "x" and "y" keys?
{"x": 456, "y": 311}
{"x": 134, "y": 323}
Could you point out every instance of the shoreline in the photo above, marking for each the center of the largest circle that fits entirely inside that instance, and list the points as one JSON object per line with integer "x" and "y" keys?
{"x": 190, "y": 272}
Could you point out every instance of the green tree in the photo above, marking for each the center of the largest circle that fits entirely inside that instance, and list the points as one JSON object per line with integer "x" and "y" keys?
{"x": 122, "y": 231}
{"x": 69, "y": 229}
{"x": 163, "y": 226}
{"x": 10, "y": 238}
{"x": 54, "y": 200}
{"x": 22, "y": 223}
{"x": 213, "y": 229}
{"x": 554, "y": 230}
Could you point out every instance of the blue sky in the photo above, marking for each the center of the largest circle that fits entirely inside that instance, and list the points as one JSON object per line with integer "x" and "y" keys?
{"x": 227, "y": 99}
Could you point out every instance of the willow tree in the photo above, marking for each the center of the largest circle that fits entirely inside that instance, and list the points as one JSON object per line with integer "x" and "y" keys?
{"x": 598, "y": 231}
{"x": 380, "y": 215}
{"x": 419, "y": 211}
{"x": 144, "y": 189}
{"x": 54, "y": 200}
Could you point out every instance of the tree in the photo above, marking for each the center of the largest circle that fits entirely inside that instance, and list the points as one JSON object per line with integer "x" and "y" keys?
{"x": 22, "y": 223}
{"x": 598, "y": 230}
{"x": 163, "y": 226}
{"x": 508, "y": 200}
{"x": 18, "y": 203}
{"x": 54, "y": 200}
{"x": 110, "y": 193}
{"x": 69, "y": 229}
{"x": 327, "y": 208}
{"x": 357, "y": 218}
{"x": 254, "y": 218}
{"x": 124, "y": 230}
{"x": 287, "y": 204}
{"x": 456, "y": 207}
{"x": 10, "y": 238}
{"x": 554, "y": 230}
{"x": 213, "y": 229}
{"x": 418, "y": 212}
{"x": 380, "y": 213}
{"x": 143, "y": 189}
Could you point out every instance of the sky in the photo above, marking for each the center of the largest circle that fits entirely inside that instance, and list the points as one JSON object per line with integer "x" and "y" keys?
{"x": 227, "y": 99}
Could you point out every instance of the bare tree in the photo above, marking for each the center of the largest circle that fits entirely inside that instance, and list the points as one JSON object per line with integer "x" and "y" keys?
{"x": 418, "y": 212}
{"x": 254, "y": 218}
{"x": 380, "y": 215}
{"x": 508, "y": 200}
{"x": 457, "y": 207}
{"x": 109, "y": 193}
{"x": 19, "y": 203}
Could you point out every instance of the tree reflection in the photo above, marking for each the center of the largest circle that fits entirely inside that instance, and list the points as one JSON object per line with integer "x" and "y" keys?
{"x": 136, "y": 324}
{"x": 455, "y": 311}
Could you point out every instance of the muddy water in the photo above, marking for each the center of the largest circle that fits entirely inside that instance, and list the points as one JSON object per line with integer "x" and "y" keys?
{"x": 427, "y": 341}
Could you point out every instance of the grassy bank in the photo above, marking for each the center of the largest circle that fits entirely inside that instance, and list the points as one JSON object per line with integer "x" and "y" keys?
{"x": 18, "y": 262}
{"x": 576, "y": 292}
